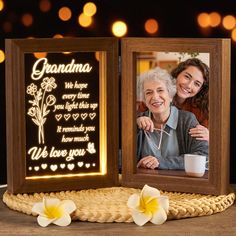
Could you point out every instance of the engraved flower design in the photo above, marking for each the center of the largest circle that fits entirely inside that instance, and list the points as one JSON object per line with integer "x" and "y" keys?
{"x": 40, "y": 103}
{"x": 148, "y": 206}
{"x": 32, "y": 111}
{"x": 50, "y": 100}
{"x": 48, "y": 84}
{"x": 31, "y": 89}
{"x": 52, "y": 210}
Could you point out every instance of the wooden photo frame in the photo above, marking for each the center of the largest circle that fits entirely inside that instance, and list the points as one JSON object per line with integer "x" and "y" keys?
{"x": 217, "y": 181}
{"x": 61, "y": 112}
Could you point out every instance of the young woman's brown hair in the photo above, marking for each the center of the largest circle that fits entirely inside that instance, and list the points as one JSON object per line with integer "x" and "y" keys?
{"x": 201, "y": 99}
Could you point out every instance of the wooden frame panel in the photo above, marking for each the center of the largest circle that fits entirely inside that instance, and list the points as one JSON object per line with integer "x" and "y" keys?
{"x": 219, "y": 117}
{"x": 19, "y": 62}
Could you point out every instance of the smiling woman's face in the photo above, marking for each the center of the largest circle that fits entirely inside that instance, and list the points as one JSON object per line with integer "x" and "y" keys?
{"x": 189, "y": 82}
{"x": 157, "y": 97}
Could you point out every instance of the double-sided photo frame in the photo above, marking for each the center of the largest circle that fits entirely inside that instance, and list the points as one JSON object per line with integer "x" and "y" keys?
{"x": 62, "y": 114}
{"x": 142, "y": 54}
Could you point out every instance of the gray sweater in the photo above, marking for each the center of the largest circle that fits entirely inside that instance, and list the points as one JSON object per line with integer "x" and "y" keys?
{"x": 187, "y": 144}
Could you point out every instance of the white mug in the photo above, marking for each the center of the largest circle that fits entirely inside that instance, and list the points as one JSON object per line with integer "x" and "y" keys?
{"x": 195, "y": 165}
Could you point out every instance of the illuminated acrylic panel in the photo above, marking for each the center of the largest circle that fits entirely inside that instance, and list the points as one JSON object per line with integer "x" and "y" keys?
{"x": 63, "y": 124}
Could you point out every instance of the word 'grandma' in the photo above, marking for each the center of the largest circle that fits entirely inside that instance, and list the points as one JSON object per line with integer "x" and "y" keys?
{"x": 41, "y": 67}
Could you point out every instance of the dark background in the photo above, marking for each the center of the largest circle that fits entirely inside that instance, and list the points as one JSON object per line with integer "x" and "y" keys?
{"x": 176, "y": 18}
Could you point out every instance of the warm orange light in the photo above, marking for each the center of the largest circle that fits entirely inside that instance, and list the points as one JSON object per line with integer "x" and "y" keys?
{"x": 40, "y": 54}
{"x": 64, "y": 13}
{"x": 233, "y": 35}
{"x": 58, "y": 36}
{"x": 45, "y": 5}
{"x": 84, "y": 21}
{"x": 89, "y": 9}
{"x": 1, "y": 5}
{"x": 229, "y": 22}
{"x": 151, "y": 26}
{"x": 203, "y": 20}
{"x": 2, "y": 56}
{"x": 97, "y": 55}
{"x": 27, "y": 19}
{"x": 119, "y": 28}
{"x": 215, "y": 19}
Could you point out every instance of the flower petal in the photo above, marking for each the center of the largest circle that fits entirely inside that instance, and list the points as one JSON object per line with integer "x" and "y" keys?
{"x": 68, "y": 205}
{"x": 159, "y": 217}
{"x": 44, "y": 221}
{"x": 133, "y": 201}
{"x": 63, "y": 221}
{"x": 164, "y": 202}
{"x": 51, "y": 202}
{"x": 148, "y": 191}
{"x": 140, "y": 218}
{"x": 38, "y": 208}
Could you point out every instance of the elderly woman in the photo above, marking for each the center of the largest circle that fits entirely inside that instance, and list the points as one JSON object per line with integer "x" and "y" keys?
{"x": 164, "y": 144}
{"x": 192, "y": 85}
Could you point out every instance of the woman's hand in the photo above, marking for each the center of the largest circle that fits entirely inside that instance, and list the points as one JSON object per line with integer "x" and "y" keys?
{"x": 145, "y": 123}
{"x": 148, "y": 162}
{"x": 200, "y": 133}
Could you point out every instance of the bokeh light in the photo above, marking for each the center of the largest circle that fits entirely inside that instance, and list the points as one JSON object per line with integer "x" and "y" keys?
{"x": 233, "y": 35}
{"x": 40, "y": 54}
{"x": 1, "y": 5}
{"x": 57, "y": 36}
{"x": 228, "y": 22}
{"x": 215, "y": 19}
{"x": 45, "y": 5}
{"x": 2, "y": 56}
{"x": 89, "y": 9}
{"x": 203, "y": 19}
{"x": 84, "y": 21}
{"x": 97, "y": 55}
{"x": 64, "y": 13}
{"x": 151, "y": 26}
{"x": 27, "y": 19}
{"x": 119, "y": 28}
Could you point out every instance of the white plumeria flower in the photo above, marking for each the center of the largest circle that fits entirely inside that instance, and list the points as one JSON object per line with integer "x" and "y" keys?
{"x": 148, "y": 206}
{"x": 52, "y": 210}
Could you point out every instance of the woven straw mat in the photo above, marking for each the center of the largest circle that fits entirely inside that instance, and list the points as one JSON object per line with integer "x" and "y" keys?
{"x": 109, "y": 204}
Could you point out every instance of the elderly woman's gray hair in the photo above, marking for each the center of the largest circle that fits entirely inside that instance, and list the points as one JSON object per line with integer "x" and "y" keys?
{"x": 157, "y": 74}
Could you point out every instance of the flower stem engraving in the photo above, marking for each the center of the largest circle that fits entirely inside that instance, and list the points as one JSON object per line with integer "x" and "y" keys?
{"x": 40, "y": 103}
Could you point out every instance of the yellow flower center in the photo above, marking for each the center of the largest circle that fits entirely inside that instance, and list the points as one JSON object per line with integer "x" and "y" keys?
{"x": 53, "y": 212}
{"x": 148, "y": 205}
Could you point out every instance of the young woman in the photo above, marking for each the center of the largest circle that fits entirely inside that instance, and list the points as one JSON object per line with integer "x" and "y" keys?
{"x": 192, "y": 83}
{"x": 165, "y": 146}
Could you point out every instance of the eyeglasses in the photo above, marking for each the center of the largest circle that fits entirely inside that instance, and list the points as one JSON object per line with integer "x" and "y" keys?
{"x": 150, "y": 139}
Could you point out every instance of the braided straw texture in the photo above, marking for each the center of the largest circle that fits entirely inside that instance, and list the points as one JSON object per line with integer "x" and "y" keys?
{"x": 109, "y": 204}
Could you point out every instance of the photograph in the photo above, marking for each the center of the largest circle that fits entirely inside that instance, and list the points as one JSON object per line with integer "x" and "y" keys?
{"x": 169, "y": 110}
